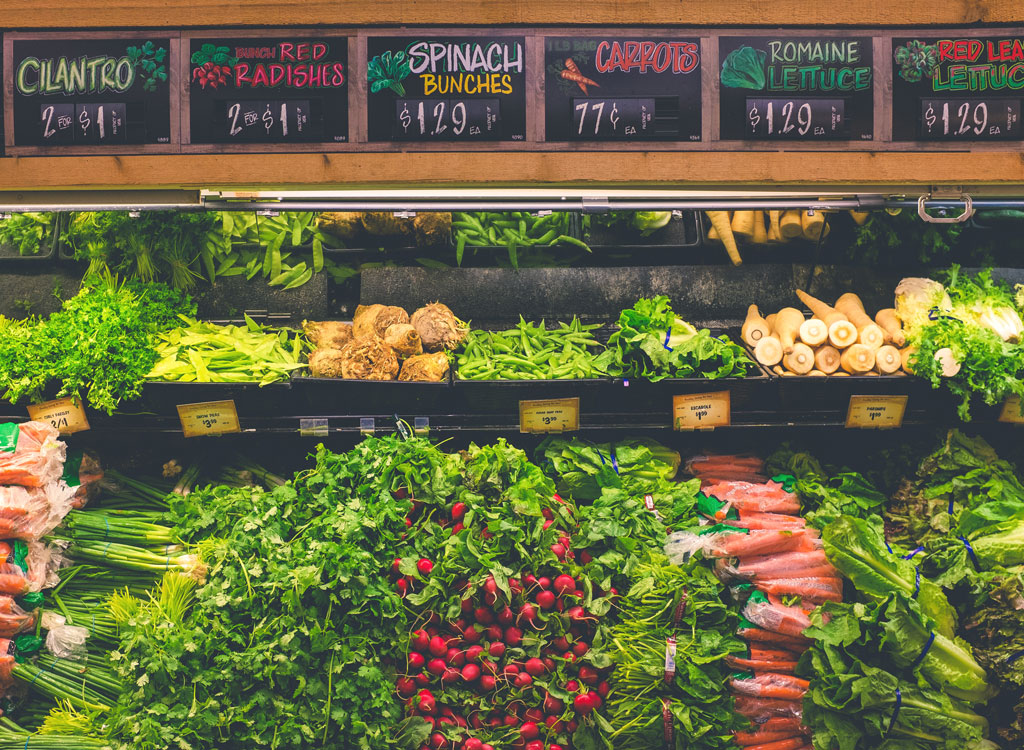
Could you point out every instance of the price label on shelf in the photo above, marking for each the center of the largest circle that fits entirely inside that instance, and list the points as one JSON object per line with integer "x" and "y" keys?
{"x": 208, "y": 418}
{"x": 876, "y": 412}
{"x": 1013, "y": 411}
{"x": 702, "y": 411}
{"x": 313, "y": 427}
{"x": 66, "y": 416}
{"x": 550, "y": 415}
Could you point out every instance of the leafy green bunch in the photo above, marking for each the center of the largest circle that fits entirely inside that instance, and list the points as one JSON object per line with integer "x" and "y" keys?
{"x": 27, "y": 232}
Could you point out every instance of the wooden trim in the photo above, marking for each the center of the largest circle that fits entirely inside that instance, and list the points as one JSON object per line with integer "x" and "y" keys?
{"x": 36, "y": 14}
{"x": 664, "y": 169}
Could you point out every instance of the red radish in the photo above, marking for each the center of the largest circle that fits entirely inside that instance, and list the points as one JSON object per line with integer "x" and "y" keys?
{"x": 572, "y": 686}
{"x": 437, "y": 741}
{"x": 588, "y": 675}
{"x": 602, "y": 689}
{"x": 560, "y": 605}
{"x": 459, "y": 626}
{"x": 490, "y": 585}
{"x": 473, "y": 653}
{"x": 490, "y": 599}
{"x": 583, "y": 703}
{"x": 461, "y": 722}
{"x": 487, "y": 747}
{"x": 489, "y": 666}
{"x": 528, "y": 613}
{"x": 424, "y": 566}
{"x": 553, "y": 746}
{"x": 395, "y": 564}
{"x": 577, "y": 614}
{"x": 487, "y": 682}
{"x": 559, "y": 550}
{"x": 595, "y": 700}
{"x": 438, "y": 646}
{"x": 535, "y": 715}
{"x": 472, "y": 634}
{"x": 467, "y": 606}
{"x": 554, "y": 724}
{"x": 580, "y": 648}
{"x": 458, "y": 511}
{"x": 549, "y": 664}
{"x": 535, "y": 667}
{"x": 400, "y": 494}
{"x": 422, "y": 679}
{"x": 432, "y": 631}
{"x": 564, "y": 584}
{"x": 564, "y": 540}
{"x": 496, "y": 649}
{"x": 561, "y": 643}
{"x": 456, "y": 657}
{"x": 529, "y": 730}
{"x": 495, "y": 721}
{"x": 513, "y": 637}
{"x": 437, "y": 666}
{"x": 585, "y": 557}
{"x": 475, "y": 720}
{"x": 572, "y": 726}
{"x": 472, "y": 744}
{"x": 510, "y": 721}
{"x": 530, "y": 579}
{"x": 511, "y": 670}
{"x": 552, "y": 705}
{"x": 416, "y": 660}
{"x": 450, "y": 676}
{"x": 558, "y": 497}
{"x": 546, "y": 512}
{"x": 534, "y": 745}
{"x": 547, "y": 524}
{"x": 457, "y": 528}
{"x": 403, "y": 586}
{"x": 544, "y": 582}
{"x": 483, "y": 615}
{"x": 485, "y": 534}
{"x": 426, "y": 702}
{"x": 523, "y": 680}
{"x": 494, "y": 633}
{"x": 408, "y": 523}
{"x": 406, "y": 687}
{"x": 506, "y": 616}
{"x": 470, "y": 672}
{"x": 515, "y": 585}
{"x": 545, "y": 599}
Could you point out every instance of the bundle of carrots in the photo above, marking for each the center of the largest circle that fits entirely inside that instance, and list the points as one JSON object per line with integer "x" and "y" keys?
{"x": 761, "y": 543}
{"x": 835, "y": 340}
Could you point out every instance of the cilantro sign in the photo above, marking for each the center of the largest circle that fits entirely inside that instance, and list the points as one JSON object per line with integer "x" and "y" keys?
{"x": 91, "y": 92}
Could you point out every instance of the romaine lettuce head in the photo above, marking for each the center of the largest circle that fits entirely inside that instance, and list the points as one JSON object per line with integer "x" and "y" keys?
{"x": 744, "y": 68}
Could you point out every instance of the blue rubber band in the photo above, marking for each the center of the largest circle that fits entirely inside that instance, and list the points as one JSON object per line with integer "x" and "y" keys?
{"x": 26, "y": 741}
{"x": 668, "y": 335}
{"x": 924, "y": 652}
{"x": 888, "y": 547}
{"x": 896, "y": 711}
{"x": 615, "y": 464}
{"x": 1013, "y": 657}
{"x": 917, "y": 581}
{"x": 949, "y": 510}
{"x": 106, "y": 524}
{"x": 970, "y": 550}
{"x": 911, "y": 555}
{"x": 601, "y": 456}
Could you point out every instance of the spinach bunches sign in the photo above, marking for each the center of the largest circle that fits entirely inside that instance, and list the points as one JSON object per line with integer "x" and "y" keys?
{"x": 268, "y": 90}
{"x": 957, "y": 88}
{"x": 91, "y": 92}
{"x": 796, "y": 88}
{"x": 622, "y": 89}
{"x": 465, "y": 88}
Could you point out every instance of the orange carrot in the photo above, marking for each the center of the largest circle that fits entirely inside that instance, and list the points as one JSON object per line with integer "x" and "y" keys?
{"x": 756, "y": 708}
{"x": 578, "y": 78}
{"x": 761, "y": 665}
{"x": 793, "y": 743}
{"x": 787, "y": 724}
{"x": 771, "y": 685}
{"x": 761, "y": 635}
{"x": 746, "y": 739}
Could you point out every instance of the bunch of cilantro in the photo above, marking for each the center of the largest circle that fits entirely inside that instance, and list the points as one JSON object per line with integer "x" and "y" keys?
{"x": 99, "y": 346}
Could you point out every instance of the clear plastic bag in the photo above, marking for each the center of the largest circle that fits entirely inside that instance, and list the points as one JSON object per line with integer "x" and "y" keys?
{"x": 62, "y": 640}
{"x": 86, "y": 476}
{"x": 30, "y": 513}
{"x": 769, "y": 613}
{"x": 13, "y": 619}
{"x": 37, "y": 459}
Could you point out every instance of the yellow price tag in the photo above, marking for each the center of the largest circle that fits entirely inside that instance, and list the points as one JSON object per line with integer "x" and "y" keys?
{"x": 550, "y": 415}
{"x": 702, "y": 411}
{"x": 876, "y": 412}
{"x": 208, "y": 418}
{"x": 1013, "y": 411}
{"x": 66, "y": 416}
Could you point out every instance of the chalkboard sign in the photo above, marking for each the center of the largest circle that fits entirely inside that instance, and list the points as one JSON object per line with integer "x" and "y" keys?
{"x": 622, "y": 89}
{"x": 957, "y": 89}
{"x": 452, "y": 88}
{"x": 268, "y": 90}
{"x": 91, "y": 92}
{"x": 796, "y": 88}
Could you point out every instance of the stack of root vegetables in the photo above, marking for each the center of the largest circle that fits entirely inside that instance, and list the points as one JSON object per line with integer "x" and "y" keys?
{"x": 841, "y": 340}
{"x": 733, "y": 228}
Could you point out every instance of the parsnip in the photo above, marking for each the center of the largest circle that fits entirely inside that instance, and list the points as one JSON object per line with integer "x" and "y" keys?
{"x": 720, "y": 223}
{"x": 754, "y": 327}
{"x": 813, "y": 332}
{"x": 868, "y": 332}
{"x": 790, "y": 225}
{"x": 768, "y": 351}
{"x": 820, "y": 310}
{"x": 800, "y": 360}
{"x": 842, "y": 333}
{"x": 787, "y": 325}
{"x": 890, "y": 324}
{"x": 812, "y": 224}
{"x": 770, "y": 320}
{"x": 816, "y": 374}
{"x": 774, "y": 231}
{"x": 858, "y": 359}
{"x": 905, "y": 356}
{"x": 826, "y": 359}
{"x": 743, "y": 225}
{"x": 860, "y": 217}
{"x": 887, "y": 359}
{"x": 760, "y": 233}
{"x": 947, "y": 361}
{"x": 779, "y": 370}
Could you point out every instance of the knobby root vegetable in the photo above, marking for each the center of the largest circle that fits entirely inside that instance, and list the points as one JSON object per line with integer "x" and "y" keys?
{"x": 800, "y": 360}
{"x": 404, "y": 339}
{"x": 779, "y": 370}
{"x": 368, "y": 358}
{"x": 858, "y": 359}
{"x": 820, "y": 310}
{"x": 425, "y": 368}
{"x": 813, "y": 332}
{"x": 326, "y": 363}
{"x": 770, "y": 320}
{"x": 890, "y": 324}
{"x": 760, "y": 233}
{"x": 790, "y": 225}
{"x": 754, "y": 327}
{"x": 826, "y": 359}
{"x": 774, "y": 231}
{"x": 743, "y": 225}
{"x": 787, "y": 325}
{"x": 887, "y": 359}
{"x": 768, "y": 351}
{"x": 720, "y": 223}
{"x": 329, "y": 334}
{"x": 868, "y": 332}
{"x": 438, "y": 328}
{"x": 373, "y": 320}
{"x": 842, "y": 333}
{"x": 947, "y": 362}
{"x": 812, "y": 224}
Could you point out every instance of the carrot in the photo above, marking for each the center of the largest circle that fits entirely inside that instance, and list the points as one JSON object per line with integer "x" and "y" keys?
{"x": 771, "y": 685}
{"x": 767, "y": 654}
{"x": 755, "y": 708}
{"x": 578, "y": 78}
{"x": 817, "y": 589}
{"x": 746, "y": 739}
{"x": 787, "y": 325}
{"x": 720, "y": 222}
{"x": 788, "y": 724}
{"x": 761, "y": 665}
{"x": 754, "y": 327}
{"x": 761, "y": 635}
{"x": 793, "y": 743}
{"x": 13, "y": 584}
{"x": 890, "y": 324}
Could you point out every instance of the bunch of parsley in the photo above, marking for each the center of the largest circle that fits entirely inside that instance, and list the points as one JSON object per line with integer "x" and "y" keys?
{"x": 98, "y": 346}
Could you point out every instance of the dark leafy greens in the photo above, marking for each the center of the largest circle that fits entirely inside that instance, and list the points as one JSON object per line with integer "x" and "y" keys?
{"x": 744, "y": 68}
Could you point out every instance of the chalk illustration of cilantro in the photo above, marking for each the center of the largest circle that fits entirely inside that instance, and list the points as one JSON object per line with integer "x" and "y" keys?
{"x": 149, "y": 61}
{"x": 564, "y": 85}
{"x": 387, "y": 71}
{"x": 744, "y": 68}
{"x": 917, "y": 60}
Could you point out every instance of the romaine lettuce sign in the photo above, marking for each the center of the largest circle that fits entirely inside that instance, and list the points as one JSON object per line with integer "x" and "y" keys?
{"x": 798, "y": 88}
{"x": 91, "y": 92}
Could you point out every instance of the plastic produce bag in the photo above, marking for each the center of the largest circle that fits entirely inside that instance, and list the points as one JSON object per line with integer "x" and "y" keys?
{"x": 767, "y": 612}
{"x": 62, "y": 640}
{"x": 83, "y": 472}
{"x": 13, "y": 619}
{"x": 30, "y": 513}
{"x": 725, "y": 541}
{"x": 784, "y": 687}
{"x": 6, "y": 663}
{"x": 30, "y": 454}
{"x": 769, "y": 497}
{"x": 760, "y": 709}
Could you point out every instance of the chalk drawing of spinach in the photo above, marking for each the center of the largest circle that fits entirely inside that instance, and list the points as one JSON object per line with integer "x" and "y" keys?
{"x": 387, "y": 71}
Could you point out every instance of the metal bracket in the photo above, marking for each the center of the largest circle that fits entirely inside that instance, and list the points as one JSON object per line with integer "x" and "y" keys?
{"x": 595, "y": 205}
{"x": 966, "y": 214}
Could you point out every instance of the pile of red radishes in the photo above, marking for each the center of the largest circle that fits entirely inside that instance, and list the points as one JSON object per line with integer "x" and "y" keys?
{"x": 512, "y": 672}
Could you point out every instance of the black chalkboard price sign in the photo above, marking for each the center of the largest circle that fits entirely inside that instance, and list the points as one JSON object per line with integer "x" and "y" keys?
{"x": 796, "y": 88}
{"x": 249, "y": 90}
{"x": 443, "y": 89}
{"x": 622, "y": 89}
{"x": 91, "y": 92}
{"x": 957, "y": 89}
